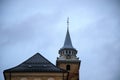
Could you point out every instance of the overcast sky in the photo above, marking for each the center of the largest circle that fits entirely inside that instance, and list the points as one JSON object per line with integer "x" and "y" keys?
{"x": 31, "y": 26}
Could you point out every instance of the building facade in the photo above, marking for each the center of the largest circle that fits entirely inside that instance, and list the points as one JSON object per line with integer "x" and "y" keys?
{"x": 39, "y": 68}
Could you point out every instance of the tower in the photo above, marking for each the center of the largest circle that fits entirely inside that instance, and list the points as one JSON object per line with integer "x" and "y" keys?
{"x": 67, "y": 59}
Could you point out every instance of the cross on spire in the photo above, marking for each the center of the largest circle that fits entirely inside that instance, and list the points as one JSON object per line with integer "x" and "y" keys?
{"x": 68, "y": 23}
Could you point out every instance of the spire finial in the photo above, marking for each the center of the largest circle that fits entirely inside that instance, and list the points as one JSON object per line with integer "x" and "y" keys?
{"x": 68, "y": 23}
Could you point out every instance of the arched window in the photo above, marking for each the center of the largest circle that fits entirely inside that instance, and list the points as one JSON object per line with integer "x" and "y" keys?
{"x": 68, "y": 67}
{"x": 23, "y": 78}
{"x": 66, "y": 51}
{"x": 69, "y": 52}
{"x": 37, "y": 78}
{"x": 51, "y": 78}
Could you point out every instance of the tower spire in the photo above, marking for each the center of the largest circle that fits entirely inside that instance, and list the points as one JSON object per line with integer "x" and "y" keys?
{"x": 68, "y": 42}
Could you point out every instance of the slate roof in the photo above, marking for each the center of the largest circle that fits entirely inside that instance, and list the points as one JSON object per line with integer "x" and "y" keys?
{"x": 68, "y": 42}
{"x": 37, "y": 63}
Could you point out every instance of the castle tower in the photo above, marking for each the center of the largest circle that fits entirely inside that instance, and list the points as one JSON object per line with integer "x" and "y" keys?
{"x": 67, "y": 59}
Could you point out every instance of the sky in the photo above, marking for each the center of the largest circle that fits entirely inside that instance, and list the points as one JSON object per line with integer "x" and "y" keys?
{"x": 31, "y": 26}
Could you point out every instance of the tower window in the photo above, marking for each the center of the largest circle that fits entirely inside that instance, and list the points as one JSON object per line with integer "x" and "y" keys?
{"x": 63, "y": 52}
{"x": 66, "y": 51}
{"x": 68, "y": 67}
{"x": 69, "y": 52}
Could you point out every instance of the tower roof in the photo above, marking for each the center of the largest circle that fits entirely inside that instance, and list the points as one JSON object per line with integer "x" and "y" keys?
{"x": 68, "y": 42}
{"x": 37, "y": 63}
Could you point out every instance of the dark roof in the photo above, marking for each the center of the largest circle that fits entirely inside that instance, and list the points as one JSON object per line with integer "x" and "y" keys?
{"x": 68, "y": 42}
{"x": 37, "y": 63}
